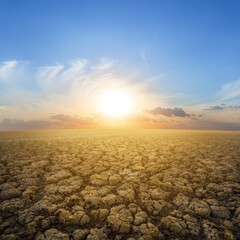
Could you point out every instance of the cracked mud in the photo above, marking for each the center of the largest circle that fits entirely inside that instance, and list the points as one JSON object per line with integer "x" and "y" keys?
{"x": 92, "y": 184}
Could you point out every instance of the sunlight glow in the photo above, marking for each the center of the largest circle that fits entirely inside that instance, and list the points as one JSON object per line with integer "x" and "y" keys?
{"x": 115, "y": 103}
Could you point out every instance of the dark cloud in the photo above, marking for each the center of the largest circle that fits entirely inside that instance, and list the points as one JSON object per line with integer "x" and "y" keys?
{"x": 214, "y": 108}
{"x": 169, "y": 112}
{"x": 236, "y": 107}
{"x": 195, "y": 116}
{"x": 222, "y": 107}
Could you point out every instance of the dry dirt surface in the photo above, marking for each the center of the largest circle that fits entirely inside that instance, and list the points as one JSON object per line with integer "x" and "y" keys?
{"x": 113, "y": 184}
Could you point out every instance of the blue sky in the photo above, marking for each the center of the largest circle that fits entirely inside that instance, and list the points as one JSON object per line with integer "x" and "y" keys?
{"x": 191, "y": 48}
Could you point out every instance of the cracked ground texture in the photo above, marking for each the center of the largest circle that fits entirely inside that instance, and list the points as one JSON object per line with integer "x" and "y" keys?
{"x": 113, "y": 184}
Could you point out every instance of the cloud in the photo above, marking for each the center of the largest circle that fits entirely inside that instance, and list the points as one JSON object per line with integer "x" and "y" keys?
{"x": 73, "y": 121}
{"x": 230, "y": 91}
{"x": 139, "y": 121}
{"x": 222, "y": 107}
{"x": 47, "y": 75}
{"x": 59, "y": 78}
{"x": 169, "y": 112}
{"x": 62, "y": 117}
{"x": 165, "y": 122}
{"x": 76, "y": 87}
{"x": 16, "y": 124}
{"x": 6, "y": 71}
{"x": 104, "y": 65}
{"x": 235, "y": 107}
{"x": 214, "y": 108}
{"x": 4, "y": 109}
{"x": 69, "y": 88}
{"x": 60, "y": 121}
{"x": 196, "y": 116}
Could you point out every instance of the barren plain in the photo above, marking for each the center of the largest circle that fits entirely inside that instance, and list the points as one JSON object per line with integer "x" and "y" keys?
{"x": 118, "y": 184}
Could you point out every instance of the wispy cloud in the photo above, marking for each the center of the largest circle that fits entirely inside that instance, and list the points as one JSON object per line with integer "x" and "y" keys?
{"x": 70, "y": 88}
{"x": 6, "y": 70}
{"x": 146, "y": 63}
{"x": 60, "y": 78}
{"x": 47, "y": 75}
{"x": 104, "y": 65}
{"x": 230, "y": 90}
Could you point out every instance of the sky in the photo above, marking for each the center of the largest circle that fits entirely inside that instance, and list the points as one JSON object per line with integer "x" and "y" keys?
{"x": 178, "y": 60}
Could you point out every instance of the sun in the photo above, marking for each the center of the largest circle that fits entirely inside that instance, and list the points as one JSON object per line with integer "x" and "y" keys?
{"x": 115, "y": 102}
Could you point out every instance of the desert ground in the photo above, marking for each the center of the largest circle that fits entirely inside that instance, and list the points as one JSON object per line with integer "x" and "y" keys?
{"x": 119, "y": 184}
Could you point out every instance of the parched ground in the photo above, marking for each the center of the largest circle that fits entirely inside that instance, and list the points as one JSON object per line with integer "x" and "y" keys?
{"x": 97, "y": 185}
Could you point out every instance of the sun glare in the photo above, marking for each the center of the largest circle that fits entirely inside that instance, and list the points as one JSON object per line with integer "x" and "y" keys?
{"x": 115, "y": 103}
